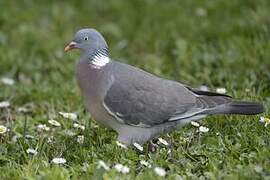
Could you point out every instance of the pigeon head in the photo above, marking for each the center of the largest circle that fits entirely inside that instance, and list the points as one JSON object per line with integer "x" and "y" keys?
{"x": 90, "y": 41}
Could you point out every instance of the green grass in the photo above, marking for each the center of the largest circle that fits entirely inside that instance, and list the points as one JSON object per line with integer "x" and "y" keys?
{"x": 215, "y": 43}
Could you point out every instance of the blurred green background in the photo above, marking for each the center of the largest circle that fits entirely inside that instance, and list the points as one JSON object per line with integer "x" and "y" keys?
{"x": 216, "y": 43}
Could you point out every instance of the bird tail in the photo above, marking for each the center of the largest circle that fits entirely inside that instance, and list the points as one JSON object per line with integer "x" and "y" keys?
{"x": 215, "y": 103}
{"x": 239, "y": 107}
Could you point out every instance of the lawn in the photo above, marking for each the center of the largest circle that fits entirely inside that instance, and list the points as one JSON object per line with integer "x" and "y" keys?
{"x": 219, "y": 44}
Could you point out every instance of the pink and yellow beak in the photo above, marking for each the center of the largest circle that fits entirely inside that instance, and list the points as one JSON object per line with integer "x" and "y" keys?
{"x": 70, "y": 46}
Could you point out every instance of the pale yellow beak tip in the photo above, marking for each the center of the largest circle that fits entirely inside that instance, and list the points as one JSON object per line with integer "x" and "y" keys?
{"x": 70, "y": 46}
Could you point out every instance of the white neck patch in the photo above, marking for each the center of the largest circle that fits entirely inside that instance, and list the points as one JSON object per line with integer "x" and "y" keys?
{"x": 99, "y": 61}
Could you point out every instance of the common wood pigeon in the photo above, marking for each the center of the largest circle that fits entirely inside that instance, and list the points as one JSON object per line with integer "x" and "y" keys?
{"x": 138, "y": 105}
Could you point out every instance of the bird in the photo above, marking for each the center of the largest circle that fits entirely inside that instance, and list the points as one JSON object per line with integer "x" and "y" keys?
{"x": 138, "y": 105}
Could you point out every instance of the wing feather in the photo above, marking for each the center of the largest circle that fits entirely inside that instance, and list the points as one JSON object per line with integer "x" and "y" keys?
{"x": 141, "y": 99}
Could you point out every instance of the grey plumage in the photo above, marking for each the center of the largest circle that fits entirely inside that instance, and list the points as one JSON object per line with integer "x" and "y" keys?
{"x": 137, "y": 104}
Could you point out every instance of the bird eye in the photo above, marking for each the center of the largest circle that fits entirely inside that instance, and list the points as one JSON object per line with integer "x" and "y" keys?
{"x": 86, "y": 38}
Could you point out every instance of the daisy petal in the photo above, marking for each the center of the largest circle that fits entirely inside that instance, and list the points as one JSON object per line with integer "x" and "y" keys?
{"x": 54, "y": 123}
{"x": 163, "y": 141}
{"x": 145, "y": 163}
{"x": 75, "y": 125}
{"x": 102, "y": 164}
{"x": 121, "y": 168}
{"x": 204, "y": 88}
{"x": 80, "y": 139}
{"x": 4, "y": 104}
{"x": 203, "y": 129}
{"x": 66, "y": 115}
{"x": 3, "y": 129}
{"x": 43, "y": 127}
{"x": 31, "y": 151}
{"x": 194, "y": 123}
{"x": 7, "y": 81}
{"x": 138, "y": 146}
{"x": 59, "y": 161}
{"x": 160, "y": 171}
{"x": 265, "y": 120}
{"x": 221, "y": 90}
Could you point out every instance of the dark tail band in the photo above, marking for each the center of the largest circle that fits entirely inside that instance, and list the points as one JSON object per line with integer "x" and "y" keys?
{"x": 239, "y": 107}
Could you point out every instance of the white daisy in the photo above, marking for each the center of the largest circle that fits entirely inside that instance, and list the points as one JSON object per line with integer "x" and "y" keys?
{"x": 50, "y": 139}
{"x": 75, "y": 125}
{"x": 43, "y": 127}
{"x": 194, "y": 123}
{"x": 163, "y": 141}
{"x": 59, "y": 161}
{"x": 54, "y": 123}
{"x": 160, "y": 171}
{"x": 31, "y": 151}
{"x": 85, "y": 166}
{"x": 71, "y": 116}
{"x": 138, "y": 146}
{"x": 265, "y": 120}
{"x": 145, "y": 163}
{"x": 204, "y": 88}
{"x": 203, "y": 129}
{"x": 4, "y": 104}
{"x": 102, "y": 164}
{"x": 7, "y": 81}
{"x": 121, "y": 168}
{"x": 3, "y": 129}
{"x": 80, "y": 139}
{"x": 221, "y": 90}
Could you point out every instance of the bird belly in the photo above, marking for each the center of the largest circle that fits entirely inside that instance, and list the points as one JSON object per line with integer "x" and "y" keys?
{"x": 100, "y": 115}
{"x": 130, "y": 134}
